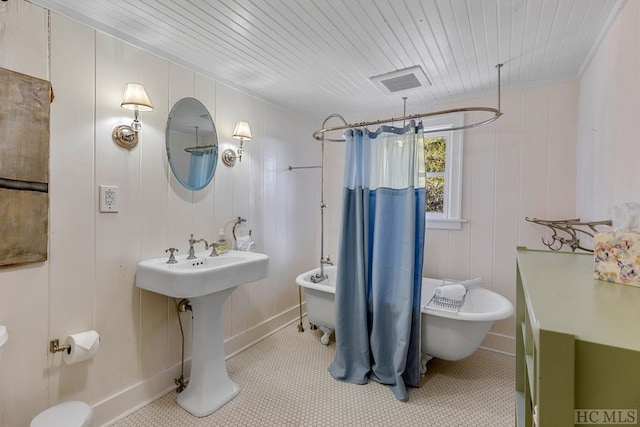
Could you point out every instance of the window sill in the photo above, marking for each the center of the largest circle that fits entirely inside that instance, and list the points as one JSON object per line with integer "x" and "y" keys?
{"x": 445, "y": 224}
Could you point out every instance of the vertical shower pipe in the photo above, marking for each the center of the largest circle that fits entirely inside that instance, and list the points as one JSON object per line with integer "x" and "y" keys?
{"x": 321, "y": 276}
{"x": 322, "y": 206}
{"x": 404, "y": 110}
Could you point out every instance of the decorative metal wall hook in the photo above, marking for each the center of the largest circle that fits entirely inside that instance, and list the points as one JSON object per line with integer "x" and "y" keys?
{"x": 571, "y": 228}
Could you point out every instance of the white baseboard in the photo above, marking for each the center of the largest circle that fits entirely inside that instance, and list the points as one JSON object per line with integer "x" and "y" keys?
{"x": 499, "y": 343}
{"x": 242, "y": 341}
{"x": 131, "y": 399}
{"x": 138, "y": 395}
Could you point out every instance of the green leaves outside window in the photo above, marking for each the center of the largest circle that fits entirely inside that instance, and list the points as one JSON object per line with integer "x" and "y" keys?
{"x": 435, "y": 165}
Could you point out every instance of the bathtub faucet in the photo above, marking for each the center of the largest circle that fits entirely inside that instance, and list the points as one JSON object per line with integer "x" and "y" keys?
{"x": 326, "y": 260}
{"x": 320, "y": 276}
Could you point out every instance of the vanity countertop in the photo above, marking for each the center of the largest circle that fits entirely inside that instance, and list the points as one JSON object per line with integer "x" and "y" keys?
{"x": 566, "y": 298}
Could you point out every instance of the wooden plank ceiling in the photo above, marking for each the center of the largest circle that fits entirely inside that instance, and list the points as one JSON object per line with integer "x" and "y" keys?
{"x": 317, "y": 56}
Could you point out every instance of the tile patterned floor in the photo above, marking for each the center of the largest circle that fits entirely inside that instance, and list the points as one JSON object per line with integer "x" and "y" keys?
{"x": 284, "y": 382}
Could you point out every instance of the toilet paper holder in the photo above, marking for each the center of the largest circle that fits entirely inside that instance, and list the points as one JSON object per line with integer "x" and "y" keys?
{"x": 55, "y": 347}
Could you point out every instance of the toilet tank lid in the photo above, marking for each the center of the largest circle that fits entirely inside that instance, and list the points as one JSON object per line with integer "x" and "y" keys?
{"x": 4, "y": 335}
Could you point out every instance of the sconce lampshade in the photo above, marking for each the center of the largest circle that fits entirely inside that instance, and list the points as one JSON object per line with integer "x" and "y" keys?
{"x": 136, "y": 98}
{"x": 242, "y": 131}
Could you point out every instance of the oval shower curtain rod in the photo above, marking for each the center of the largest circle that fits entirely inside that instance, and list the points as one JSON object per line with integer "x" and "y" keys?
{"x": 319, "y": 134}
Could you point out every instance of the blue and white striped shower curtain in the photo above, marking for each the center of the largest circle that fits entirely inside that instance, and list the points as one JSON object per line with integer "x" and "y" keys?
{"x": 380, "y": 259}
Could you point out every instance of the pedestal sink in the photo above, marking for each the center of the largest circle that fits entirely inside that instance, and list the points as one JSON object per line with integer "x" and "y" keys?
{"x": 207, "y": 282}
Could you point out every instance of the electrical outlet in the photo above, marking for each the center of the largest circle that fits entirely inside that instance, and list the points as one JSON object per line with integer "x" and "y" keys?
{"x": 108, "y": 198}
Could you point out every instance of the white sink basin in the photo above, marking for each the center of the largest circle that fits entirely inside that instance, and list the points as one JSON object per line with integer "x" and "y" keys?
{"x": 207, "y": 282}
{"x": 190, "y": 278}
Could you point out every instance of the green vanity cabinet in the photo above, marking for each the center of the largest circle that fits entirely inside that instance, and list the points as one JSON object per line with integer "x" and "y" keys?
{"x": 577, "y": 344}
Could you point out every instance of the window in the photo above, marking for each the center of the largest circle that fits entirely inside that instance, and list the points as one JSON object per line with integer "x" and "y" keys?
{"x": 435, "y": 150}
{"x": 442, "y": 171}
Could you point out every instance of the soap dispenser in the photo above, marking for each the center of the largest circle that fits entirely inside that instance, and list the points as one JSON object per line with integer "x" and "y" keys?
{"x": 222, "y": 242}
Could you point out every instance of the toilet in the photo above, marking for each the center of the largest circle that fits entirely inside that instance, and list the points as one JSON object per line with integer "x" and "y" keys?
{"x": 66, "y": 414}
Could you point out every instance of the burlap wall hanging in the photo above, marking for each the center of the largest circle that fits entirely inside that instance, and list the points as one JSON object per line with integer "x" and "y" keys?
{"x": 24, "y": 167}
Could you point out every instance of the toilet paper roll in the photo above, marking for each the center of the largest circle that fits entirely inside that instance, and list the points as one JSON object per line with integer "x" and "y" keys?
{"x": 83, "y": 346}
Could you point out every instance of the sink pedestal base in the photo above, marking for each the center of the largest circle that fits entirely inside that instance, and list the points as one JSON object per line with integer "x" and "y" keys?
{"x": 209, "y": 385}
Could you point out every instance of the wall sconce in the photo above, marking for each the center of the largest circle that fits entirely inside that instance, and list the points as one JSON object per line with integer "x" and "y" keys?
{"x": 135, "y": 98}
{"x": 242, "y": 132}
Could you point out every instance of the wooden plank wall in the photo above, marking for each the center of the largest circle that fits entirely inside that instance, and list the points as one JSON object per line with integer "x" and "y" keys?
{"x": 88, "y": 282}
{"x": 608, "y": 120}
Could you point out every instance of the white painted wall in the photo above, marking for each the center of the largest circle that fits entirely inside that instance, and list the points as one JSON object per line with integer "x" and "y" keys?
{"x": 88, "y": 281}
{"x": 608, "y": 148}
{"x": 521, "y": 165}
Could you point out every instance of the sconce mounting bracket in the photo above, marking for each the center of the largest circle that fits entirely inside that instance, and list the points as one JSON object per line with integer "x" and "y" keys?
{"x": 229, "y": 157}
{"x": 125, "y": 136}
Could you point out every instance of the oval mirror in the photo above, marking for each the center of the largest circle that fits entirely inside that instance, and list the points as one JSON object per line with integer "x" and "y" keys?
{"x": 192, "y": 143}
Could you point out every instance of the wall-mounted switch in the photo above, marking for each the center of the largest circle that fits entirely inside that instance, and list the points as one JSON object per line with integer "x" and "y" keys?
{"x": 109, "y": 198}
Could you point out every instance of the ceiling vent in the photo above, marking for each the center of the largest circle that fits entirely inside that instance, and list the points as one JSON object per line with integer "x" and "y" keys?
{"x": 407, "y": 78}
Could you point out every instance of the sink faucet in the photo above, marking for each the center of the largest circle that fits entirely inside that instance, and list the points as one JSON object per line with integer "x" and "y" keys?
{"x": 192, "y": 241}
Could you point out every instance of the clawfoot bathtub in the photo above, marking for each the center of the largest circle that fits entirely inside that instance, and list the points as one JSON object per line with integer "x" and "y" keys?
{"x": 445, "y": 335}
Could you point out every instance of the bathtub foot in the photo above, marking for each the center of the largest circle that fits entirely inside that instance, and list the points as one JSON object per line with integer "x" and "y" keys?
{"x": 424, "y": 359}
{"x": 312, "y": 326}
{"x": 326, "y": 335}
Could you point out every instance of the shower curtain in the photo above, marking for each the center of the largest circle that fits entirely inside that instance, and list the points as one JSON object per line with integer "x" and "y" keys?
{"x": 200, "y": 167}
{"x": 380, "y": 259}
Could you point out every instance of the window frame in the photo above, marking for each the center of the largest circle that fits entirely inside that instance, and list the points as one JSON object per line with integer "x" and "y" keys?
{"x": 451, "y": 218}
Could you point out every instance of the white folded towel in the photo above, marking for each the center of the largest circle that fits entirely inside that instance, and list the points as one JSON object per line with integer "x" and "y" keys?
{"x": 252, "y": 247}
{"x": 243, "y": 243}
{"x": 472, "y": 283}
{"x": 455, "y": 292}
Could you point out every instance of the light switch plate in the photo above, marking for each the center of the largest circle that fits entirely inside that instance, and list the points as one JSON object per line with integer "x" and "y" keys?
{"x": 109, "y": 198}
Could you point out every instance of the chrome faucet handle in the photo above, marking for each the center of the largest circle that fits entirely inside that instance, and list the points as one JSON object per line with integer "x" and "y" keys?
{"x": 214, "y": 249}
{"x": 172, "y": 259}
